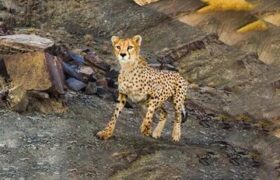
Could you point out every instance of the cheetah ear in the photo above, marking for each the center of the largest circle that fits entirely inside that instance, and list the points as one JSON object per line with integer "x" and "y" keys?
{"x": 115, "y": 39}
{"x": 137, "y": 39}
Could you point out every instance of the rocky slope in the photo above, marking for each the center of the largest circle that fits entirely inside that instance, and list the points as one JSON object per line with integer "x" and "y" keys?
{"x": 234, "y": 104}
{"x": 64, "y": 146}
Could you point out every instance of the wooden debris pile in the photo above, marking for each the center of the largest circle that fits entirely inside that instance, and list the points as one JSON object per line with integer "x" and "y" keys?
{"x": 36, "y": 74}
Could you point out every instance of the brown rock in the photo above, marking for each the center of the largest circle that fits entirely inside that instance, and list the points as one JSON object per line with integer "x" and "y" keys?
{"x": 102, "y": 82}
{"x": 45, "y": 105}
{"x": 95, "y": 61}
{"x": 28, "y": 70}
{"x": 56, "y": 73}
{"x": 33, "y": 71}
{"x": 39, "y": 94}
{"x": 23, "y": 43}
{"x": 85, "y": 70}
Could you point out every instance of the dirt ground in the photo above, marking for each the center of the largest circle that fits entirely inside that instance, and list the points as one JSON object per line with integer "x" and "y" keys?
{"x": 64, "y": 146}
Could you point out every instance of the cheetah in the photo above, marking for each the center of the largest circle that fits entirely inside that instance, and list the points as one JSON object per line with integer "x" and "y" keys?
{"x": 146, "y": 86}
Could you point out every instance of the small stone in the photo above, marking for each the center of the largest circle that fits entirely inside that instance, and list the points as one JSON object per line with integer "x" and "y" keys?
{"x": 85, "y": 70}
{"x": 91, "y": 88}
{"x": 194, "y": 86}
{"x": 211, "y": 84}
{"x": 88, "y": 39}
{"x": 276, "y": 133}
{"x": 102, "y": 82}
{"x": 75, "y": 84}
{"x": 93, "y": 59}
{"x": 103, "y": 93}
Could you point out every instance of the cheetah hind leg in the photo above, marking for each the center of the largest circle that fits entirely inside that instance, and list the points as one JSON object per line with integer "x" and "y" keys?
{"x": 145, "y": 127}
{"x": 178, "y": 103}
{"x": 162, "y": 120}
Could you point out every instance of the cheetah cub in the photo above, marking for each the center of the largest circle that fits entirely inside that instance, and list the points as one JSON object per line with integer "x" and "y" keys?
{"x": 146, "y": 86}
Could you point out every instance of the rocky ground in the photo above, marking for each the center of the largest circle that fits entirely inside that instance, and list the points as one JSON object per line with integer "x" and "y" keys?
{"x": 64, "y": 146}
{"x": 233, "y": 126}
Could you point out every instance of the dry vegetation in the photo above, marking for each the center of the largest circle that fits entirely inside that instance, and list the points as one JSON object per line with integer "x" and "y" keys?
{"x": 273, "y": 18}
{"x": 239, "y": 5}
{"x": 258, "y": 25}
{"x": 222, "y": 5}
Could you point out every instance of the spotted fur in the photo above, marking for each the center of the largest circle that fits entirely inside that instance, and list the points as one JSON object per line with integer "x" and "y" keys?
{"x": 146, "y": 86}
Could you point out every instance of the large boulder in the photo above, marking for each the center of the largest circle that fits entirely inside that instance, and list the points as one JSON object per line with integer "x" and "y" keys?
{"x": 29, "y": 67}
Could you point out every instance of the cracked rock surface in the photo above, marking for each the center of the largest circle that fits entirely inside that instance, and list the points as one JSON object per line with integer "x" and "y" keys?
{"x": 64, "y": 146}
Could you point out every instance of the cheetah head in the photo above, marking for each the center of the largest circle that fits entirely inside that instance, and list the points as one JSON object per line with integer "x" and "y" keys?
{"x": 126, "y": 50}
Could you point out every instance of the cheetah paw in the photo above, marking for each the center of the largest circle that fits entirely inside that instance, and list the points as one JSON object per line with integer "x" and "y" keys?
{"x": 156, "y": 134}
{"x": 140, "y": 2}
{"x": 176, "y": 136}
{"x": 103, "y": 135}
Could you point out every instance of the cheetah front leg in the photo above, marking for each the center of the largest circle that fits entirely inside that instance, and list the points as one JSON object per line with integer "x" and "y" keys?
{"x": 162, "y": 119}
{"x": 109, "y": 129}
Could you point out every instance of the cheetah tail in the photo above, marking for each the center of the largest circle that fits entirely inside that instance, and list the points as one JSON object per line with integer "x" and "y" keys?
{"x": 184, "y": 114}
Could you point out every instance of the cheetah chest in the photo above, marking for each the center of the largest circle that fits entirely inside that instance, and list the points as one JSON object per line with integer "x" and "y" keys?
{"x": 132, "y": 92}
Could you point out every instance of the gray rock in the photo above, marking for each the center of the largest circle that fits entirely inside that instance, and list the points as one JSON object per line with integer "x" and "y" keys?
{"x": 91, "y": 88}
{"x": 75, "y": 84}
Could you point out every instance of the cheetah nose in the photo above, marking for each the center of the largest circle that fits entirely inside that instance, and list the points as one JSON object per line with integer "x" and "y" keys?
{"x": 123, "y": 54}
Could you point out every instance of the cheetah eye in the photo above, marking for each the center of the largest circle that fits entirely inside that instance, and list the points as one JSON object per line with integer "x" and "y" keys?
{"x": 118, "y": 47}
{"x": 129, "y": 47}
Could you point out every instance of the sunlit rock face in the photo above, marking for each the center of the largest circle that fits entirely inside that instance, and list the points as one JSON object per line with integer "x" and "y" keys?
{"x": 251, "y": 26}
{"x": 220, "y": 5}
